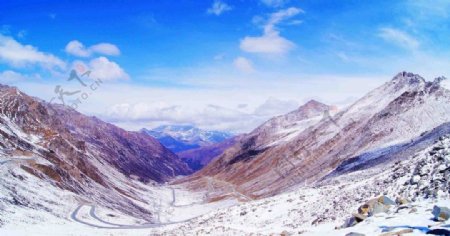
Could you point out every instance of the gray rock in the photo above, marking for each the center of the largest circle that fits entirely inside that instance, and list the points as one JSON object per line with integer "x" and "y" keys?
{"x": 379, "y": 208}
{"x": 441, "y": 213}
{"x": 413, "y": 210}
{"x": 439, "y": 232}
{"x": 401, "y": 208}
{"x": 401, "y": 201}
{"x": 358, "y": 217}
{"x": 349, "y": 222}
{"x": 385, "y": 200}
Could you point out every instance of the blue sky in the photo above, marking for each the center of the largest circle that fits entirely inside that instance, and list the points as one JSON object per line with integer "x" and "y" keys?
{"x": 243, "y": 61}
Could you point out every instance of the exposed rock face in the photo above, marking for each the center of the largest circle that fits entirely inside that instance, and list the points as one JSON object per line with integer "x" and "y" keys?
{"x": 81, "y": 154}
{"x": 393, "y": 114}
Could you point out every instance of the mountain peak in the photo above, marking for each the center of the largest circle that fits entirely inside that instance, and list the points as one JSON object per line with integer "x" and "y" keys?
{"x": 408, "y": 78}
{"x": 439, "y": 79}
{"x": 313, "y": 106}
{"x": 313, "y": 102}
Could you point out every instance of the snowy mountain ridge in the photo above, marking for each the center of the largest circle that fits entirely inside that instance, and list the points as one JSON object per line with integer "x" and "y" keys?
{"x": 396, "y": 112}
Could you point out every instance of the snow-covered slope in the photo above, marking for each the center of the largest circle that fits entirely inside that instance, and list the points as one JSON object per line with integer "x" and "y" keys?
{"x": 419, "y": 181}
{"x": 395, "y": 113}
{"x": 91, "y": 159}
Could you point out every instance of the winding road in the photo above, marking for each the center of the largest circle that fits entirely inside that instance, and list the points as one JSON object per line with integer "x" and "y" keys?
{"x": 172, "y": 203}
{"x": 233, "y": 188}
{"x": 74, "y": 217}
{"x": 109, "y": 225}
{"x": 103, "y": 224}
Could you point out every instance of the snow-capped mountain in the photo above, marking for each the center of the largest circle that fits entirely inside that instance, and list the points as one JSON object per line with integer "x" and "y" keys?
{"x": 179, "y": 138}
{"x": 393, "y": 114}
{"x": 283, "y": 128}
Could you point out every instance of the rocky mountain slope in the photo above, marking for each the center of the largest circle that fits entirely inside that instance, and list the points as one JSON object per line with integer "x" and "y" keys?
{"x": 393, "y": 114}
{"x": 180, "y": 138}
{"x": 412, "y": 185}
{"x": 80, "y": 154}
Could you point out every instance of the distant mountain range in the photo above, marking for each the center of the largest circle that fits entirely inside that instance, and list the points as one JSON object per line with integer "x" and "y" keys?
{"x": 195, "y": 146}
{"x": 178, "y": 138}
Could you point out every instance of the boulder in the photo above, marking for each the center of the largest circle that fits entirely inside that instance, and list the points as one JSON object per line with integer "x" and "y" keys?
{"x": 441, "y": 213}
{"x": 439, "y": 232}
{"x": 401, "y": 207}
{"x": 379, "y": 208}
{"x": 359, "y": 217}
{"x": 401, "y": 201}
{"x": 385, "y": 200}
{"x": 366, "y": 207}
{"x": 349, "y": 222}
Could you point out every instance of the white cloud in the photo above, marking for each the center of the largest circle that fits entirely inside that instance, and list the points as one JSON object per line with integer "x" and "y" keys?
{"x": 19, "y": 55}
{"x": 279, "y": 16}
{"x": 10, "y": 76}
{"x": 274, "y": 3}
{"x": 275, "y": 106}
{"x": 271, "y": 42}
{"x": 218, "y": 8}
{"x": 221, "y": 108}
{"x": 243, "y": 64}
{"x": 106, "y": 49}
{"x": 76, "y": 48}
{"x": 398, "y": 37}
{"x": 155, "y": 113}
{"x": 209, "y": 116}
{"x": 215, "y": 97}
{"x": 268, "y": 43}
{"x": 104, "y": 69}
